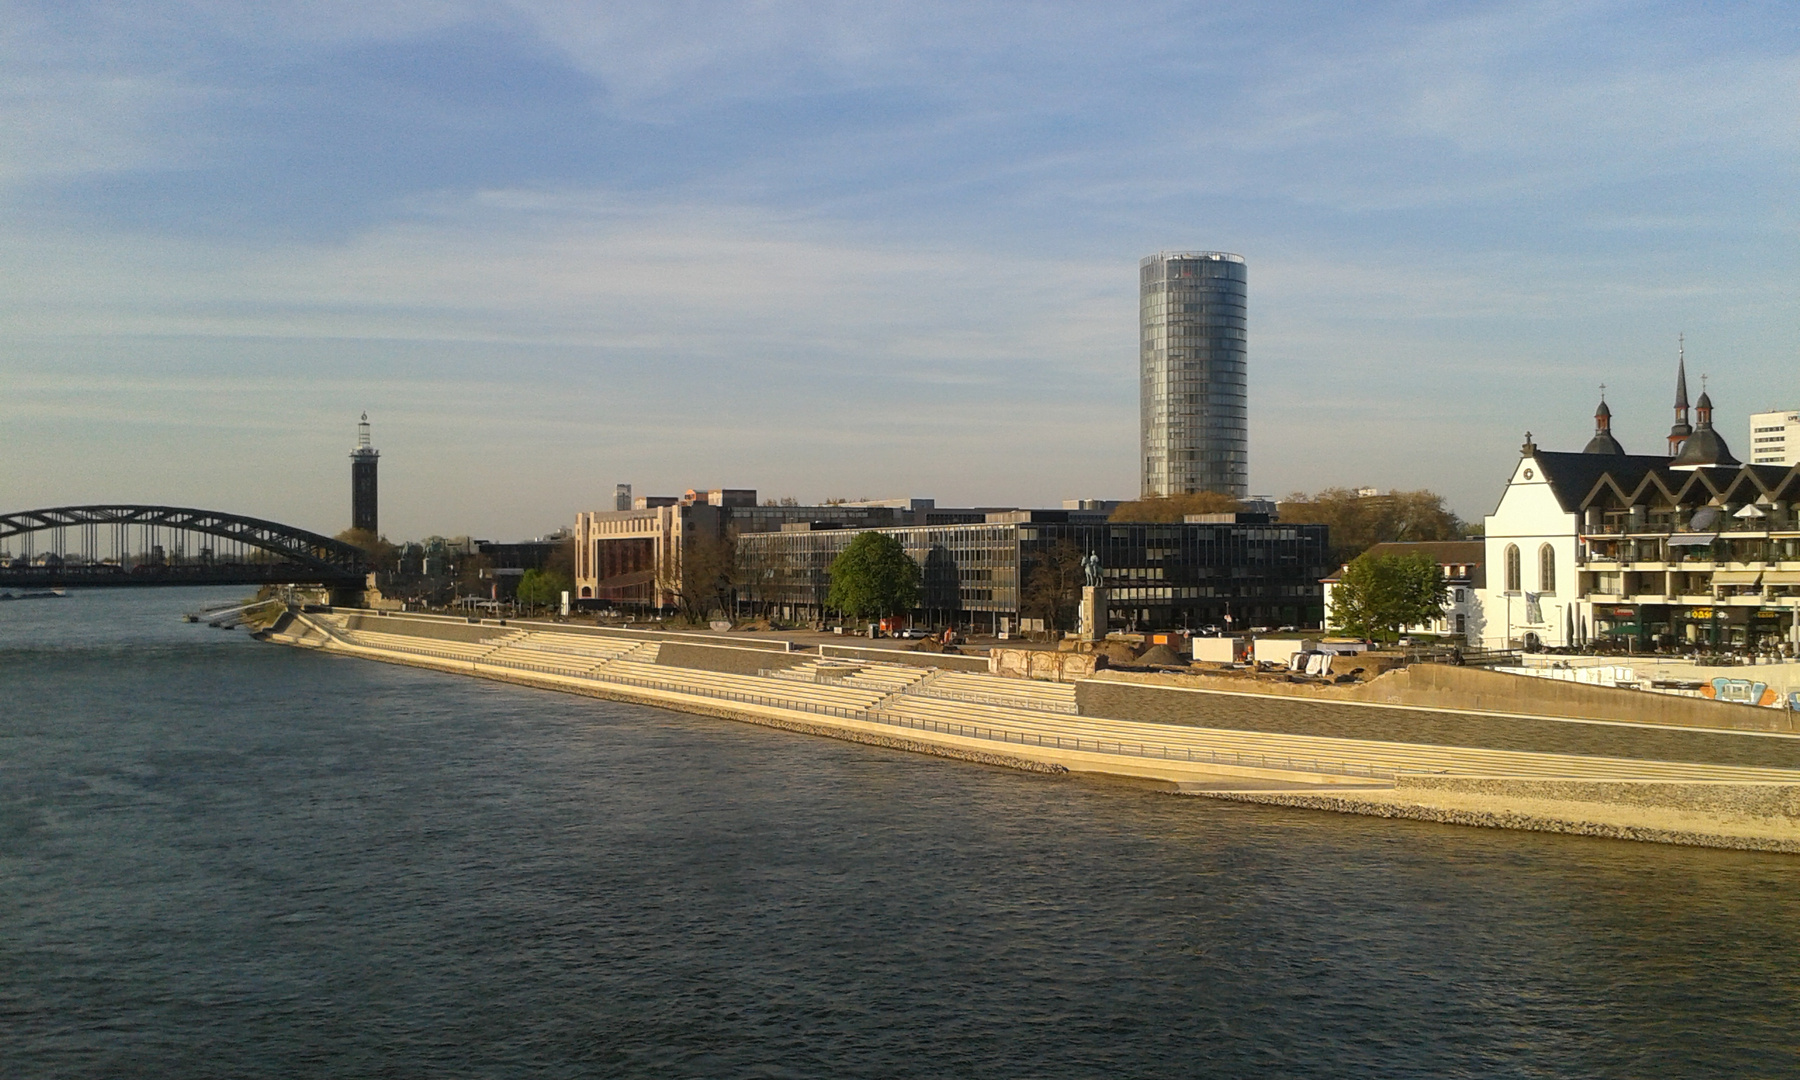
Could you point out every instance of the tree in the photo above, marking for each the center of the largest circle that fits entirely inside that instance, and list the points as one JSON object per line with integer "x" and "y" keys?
{"x": 1176, "y": 507}
{"x": 561, "y": 560}
{"x": 1378, "y": 594}
{"x": 382, "y": 555}
{"x": 472, "y": 574}
{"x": 874, "y": 577}
{"x": 1359, "y": 522}
{"x": 542, "y": 588}
{"x": 706, "y": 577}
{"x": 1053, "y": 587}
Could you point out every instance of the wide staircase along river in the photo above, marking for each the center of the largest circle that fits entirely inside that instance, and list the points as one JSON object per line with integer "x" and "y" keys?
{"x": 1009, "y": 713}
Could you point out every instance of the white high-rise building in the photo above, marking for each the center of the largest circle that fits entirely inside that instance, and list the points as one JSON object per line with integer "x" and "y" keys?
{"x": 1775, "y": 438}
{"x": 1192, "y": 393}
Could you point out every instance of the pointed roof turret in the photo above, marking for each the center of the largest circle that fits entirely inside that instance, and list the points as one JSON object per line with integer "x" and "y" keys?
{"x": 1678, "y": 434}
{"x": 1681, "y": 401}
{"x": 1603, "y": 441}
{"x": 1704, "y": 448}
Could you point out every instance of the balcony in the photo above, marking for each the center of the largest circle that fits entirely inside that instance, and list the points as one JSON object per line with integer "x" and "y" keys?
{"x": 1746, "y": 528}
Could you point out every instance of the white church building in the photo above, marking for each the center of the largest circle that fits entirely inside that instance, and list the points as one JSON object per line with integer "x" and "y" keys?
{"x": 1659, "y": 552}
{"x": 1533, "y": 538}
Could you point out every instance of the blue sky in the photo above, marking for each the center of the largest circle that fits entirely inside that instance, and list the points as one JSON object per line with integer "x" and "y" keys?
{"x": 860, "y": 249}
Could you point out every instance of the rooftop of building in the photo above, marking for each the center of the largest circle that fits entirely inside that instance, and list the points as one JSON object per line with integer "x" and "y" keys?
{"x": 1579, "y": 480}
{"x": 1213, "y": 256}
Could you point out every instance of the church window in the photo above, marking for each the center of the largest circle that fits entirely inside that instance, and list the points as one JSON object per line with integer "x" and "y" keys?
{"x": 1512, "y": 568}
{"x": 1547, "y": 569}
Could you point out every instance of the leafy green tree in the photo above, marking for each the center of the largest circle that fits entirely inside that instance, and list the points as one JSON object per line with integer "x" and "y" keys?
{"x": 1378, "y": 594}
{"x": 873, "y": 577}
{"x": 541, "y": 588}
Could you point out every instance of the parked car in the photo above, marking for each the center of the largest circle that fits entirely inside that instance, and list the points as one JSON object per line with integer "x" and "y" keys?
{"x": 913, "y": 633}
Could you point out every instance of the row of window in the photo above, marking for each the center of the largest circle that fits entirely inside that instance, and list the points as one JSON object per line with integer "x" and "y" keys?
{"x": 1546, "y": 569}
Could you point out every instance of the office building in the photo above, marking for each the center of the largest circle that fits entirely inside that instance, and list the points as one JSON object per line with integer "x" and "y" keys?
{"x": 1193, "y": 383}
{"x": 642, "y": 557}
{"x": 1775, "y": 438}
{"x": 363, "y": 460}
{"x": 1238, "y": 572}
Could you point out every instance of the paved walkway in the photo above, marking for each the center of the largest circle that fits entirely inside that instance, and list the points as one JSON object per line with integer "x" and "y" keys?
{"x": 1029, "y": 719}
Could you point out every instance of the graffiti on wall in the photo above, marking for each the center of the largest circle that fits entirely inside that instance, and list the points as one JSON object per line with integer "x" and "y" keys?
{"x": 1742, "y": 691}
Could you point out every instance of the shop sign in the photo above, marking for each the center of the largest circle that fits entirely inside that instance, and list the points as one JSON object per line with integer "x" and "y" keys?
{"x": 1767, "y": 615}
{"x": 1700, "y": 613}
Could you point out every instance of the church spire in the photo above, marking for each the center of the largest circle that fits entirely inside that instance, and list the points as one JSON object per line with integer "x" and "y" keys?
{"x": 1704, "y": 447}
{"x": 1678, "y": 434}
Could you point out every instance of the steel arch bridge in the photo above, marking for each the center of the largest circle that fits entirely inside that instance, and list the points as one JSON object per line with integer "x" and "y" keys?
{"x": 126, "y": 544}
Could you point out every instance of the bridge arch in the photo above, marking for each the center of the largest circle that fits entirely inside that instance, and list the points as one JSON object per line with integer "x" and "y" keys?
{"x": 93, "y": 544}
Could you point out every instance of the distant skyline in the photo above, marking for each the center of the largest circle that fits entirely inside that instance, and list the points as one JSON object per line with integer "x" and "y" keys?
{"x": 858, "y": 249}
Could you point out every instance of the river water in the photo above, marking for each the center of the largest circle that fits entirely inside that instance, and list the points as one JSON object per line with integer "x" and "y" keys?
{"x": 220, "y": 858}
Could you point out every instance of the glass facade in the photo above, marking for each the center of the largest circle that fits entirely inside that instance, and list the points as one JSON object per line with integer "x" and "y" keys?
{"x": 1158, "y": 575}
{"x": 1193, "y": 391}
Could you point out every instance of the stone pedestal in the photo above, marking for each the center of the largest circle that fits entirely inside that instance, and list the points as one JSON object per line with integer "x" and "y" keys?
{"x": 1091, "y": 617}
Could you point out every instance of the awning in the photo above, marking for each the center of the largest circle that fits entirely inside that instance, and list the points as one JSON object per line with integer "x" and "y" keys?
{"x": 1692, "y": 539}
{"x": 1736, "y": 577}
{"x": 1781, "y": 577}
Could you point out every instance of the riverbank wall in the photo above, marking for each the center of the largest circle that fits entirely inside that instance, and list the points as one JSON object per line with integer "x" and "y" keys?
{"x": 1387, "y": 760}
{"x": 1441, "y": 687}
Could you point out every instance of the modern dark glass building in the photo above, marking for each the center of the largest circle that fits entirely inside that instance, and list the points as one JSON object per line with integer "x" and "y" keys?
{"x": 1194, "y": 425}
{"x": 362, "y": 481}
{"x": 1245, "y": 571}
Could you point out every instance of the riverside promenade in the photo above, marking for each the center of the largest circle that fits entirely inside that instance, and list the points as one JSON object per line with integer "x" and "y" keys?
{"x": 949, "y": 706}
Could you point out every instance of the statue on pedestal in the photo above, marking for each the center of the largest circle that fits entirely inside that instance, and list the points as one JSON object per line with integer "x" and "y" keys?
{"x": 1093, "y": 599}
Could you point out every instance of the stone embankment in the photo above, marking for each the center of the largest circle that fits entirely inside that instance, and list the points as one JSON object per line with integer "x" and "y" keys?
{"x": 1602, "y": 777}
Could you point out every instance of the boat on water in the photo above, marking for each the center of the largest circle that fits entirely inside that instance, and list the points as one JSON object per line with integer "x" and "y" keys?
{"x": 35, "y": 594}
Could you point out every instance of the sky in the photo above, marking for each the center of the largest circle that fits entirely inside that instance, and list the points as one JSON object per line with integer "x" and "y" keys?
{"x": 864, "y": 249}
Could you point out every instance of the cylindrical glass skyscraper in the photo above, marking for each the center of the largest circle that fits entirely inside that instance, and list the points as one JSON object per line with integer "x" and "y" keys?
{"x": 1194, "y": 422}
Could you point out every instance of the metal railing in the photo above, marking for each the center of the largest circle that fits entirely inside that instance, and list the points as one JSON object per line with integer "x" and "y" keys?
{"x": 1122, "y": 748}
{"x": 986, "y": 733}
{"x": 350, "y": 637}
{"x": 1055, "y": 706}
{"x": 1116, "y": 747}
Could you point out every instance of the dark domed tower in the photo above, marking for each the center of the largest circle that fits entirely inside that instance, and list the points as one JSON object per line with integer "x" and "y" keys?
{"x": 1603, "y": 441}
{"x": 1704, "y": 447}
{"x": 362, "y": 481}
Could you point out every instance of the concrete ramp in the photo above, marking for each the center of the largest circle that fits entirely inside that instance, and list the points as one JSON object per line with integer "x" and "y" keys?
{"x": 1745, "y": 815}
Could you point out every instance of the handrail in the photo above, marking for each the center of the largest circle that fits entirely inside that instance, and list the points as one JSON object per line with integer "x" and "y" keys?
{"x": 989, "y": 733}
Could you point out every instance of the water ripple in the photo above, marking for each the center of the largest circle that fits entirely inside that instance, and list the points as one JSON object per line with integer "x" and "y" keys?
{"x": 226, "y": 859}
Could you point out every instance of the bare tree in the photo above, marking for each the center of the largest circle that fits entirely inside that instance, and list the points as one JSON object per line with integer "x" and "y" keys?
{"x": 706, "y": 577}
{"x": 1053, "y": 587}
